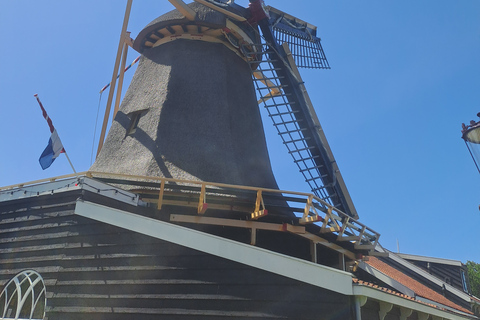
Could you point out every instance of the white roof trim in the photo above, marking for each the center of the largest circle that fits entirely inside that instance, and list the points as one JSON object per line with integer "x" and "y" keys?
{"x": 70, "y": 184}
{"x": 419, "y": 298}
{"x": 430, "y": 259}
{"x": 375, "y": 294}
{"x": 426, "y": 275}
{"x": 294, "y": 268}
{"x": 386, "y": 279}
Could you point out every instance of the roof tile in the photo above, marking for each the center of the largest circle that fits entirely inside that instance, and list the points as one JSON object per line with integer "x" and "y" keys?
{"x": 419, "y": 289}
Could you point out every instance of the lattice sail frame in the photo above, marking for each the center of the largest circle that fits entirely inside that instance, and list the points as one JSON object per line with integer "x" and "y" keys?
{"x": 307, "y": 51}
{"x": 289, "y": 43}
{"x": 279, "y": 109}
{"x": 301, "y": 37}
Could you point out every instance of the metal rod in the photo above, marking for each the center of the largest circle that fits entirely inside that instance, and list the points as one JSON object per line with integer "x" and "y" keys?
{"x": 471, "y": 154}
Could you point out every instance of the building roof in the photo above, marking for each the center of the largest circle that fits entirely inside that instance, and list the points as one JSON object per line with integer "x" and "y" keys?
{"x": 430, "y": 259}
{"x": 419, "y": 289}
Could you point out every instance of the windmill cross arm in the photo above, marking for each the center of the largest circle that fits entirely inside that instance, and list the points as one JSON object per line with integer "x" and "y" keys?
{"x": 221, "y": 10}
{"x": 188, "y": 12}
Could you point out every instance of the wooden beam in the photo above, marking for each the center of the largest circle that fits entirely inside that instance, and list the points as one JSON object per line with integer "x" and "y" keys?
{"x": 274, "y": 90}
{"x": 129, "y": 40}
{"x": 257, "y": 213}
{"x": 202, "y": 203}
{"x": 120, "y": 78}
{"x": 114, "y": 76}
{"x": 237, "y": 223}
{"x": 188, "y": 12}
{"x": 310, "y": 219}
{"x": 328, "y": 244}
{"x": 221, "y": 10}
{"x": 160, "y": 195}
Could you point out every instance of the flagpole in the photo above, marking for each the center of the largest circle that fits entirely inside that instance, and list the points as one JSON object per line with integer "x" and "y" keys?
{"x": 52, "y": 129}
{"x": 71, "y": 165}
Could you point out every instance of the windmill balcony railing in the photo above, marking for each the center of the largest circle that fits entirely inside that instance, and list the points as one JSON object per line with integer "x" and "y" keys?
{"x": 251, "y": 202}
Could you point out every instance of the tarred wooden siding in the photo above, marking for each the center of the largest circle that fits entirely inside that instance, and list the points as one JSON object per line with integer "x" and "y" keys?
{"x": 96, "y": 271}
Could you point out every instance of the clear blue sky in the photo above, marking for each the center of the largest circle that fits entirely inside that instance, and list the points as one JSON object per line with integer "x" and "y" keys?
{"x": 405, "y": 75}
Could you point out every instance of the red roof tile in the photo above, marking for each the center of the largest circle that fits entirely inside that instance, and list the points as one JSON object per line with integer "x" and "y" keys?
{"x": 419, "y": 289}
{"x": 475, "y": 299}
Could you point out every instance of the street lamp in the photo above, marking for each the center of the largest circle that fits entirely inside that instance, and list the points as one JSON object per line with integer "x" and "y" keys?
{"x": 471, "y": 135}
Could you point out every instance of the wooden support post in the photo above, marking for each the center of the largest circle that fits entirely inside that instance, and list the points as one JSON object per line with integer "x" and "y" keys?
{"x": 257, "y": 213}
{"x": 341, "y": 261}
{"x": 344, "y": 226}
{"x": 253, "y": 236}
{"x": 202, "y": 203}
{"x": 385, "y": 308}
{"x": 362, "y": 232}
{"x": 306, "y": 212}
{"x": 328, "y": 219}
{"x": 114, "y": 76}
{"x": 313, "y": 251}
{"x": 160, "y": 196}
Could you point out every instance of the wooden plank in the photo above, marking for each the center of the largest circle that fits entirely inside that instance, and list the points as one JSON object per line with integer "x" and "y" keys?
{"x": 328, "y": 244}
{"x": 237, "y": 223}
{"x": 122, "y": 73}
{"x": 114, "y": 76}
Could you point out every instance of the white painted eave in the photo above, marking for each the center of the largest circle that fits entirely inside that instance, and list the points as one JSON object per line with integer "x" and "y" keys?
{"x": 430, "y": 259}
{"x": 290, "y": 267}
{"x": 375, "y": 294}
{"x": 66, "y": 185}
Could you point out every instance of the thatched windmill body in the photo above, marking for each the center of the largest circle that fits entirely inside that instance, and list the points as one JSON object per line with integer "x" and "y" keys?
{"x": 191, "y": 111}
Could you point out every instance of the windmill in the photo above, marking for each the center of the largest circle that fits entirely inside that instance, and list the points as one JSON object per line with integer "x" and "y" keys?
{"x": 190, "y": 110}
{"x": 132, "y": 237}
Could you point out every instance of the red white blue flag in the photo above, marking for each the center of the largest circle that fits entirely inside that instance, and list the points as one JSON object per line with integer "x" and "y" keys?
{"x": 54, "y": 147}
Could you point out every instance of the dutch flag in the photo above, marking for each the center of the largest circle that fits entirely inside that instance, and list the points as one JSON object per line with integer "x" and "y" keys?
{"x": 52, "y": 151}
{"x": 54, "y": 147}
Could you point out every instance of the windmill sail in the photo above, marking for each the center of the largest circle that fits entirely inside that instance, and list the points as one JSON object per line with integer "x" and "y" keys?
{"x": 283, "y": 95}
{"x": 301, "y": 38}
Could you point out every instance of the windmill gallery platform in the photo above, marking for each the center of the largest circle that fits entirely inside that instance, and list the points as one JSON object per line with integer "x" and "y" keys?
{"x": 180, "y": 216}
